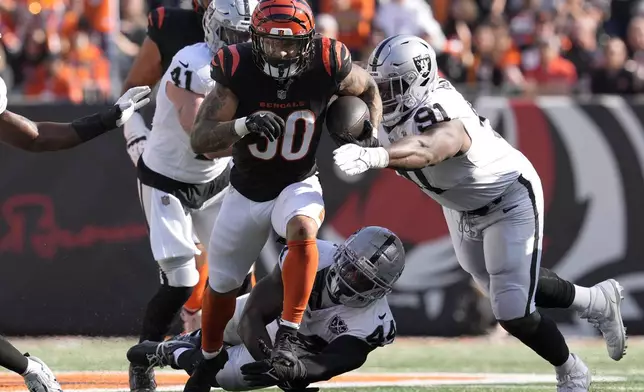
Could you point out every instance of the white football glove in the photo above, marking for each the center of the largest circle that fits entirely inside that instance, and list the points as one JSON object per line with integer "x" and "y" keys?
{"x": 41, "y": 379}
{"x": 353, "y": 159}
{"x": 136, "y": 136}
{"x": 133, "y": 100}
{"x": 3, "y": 96}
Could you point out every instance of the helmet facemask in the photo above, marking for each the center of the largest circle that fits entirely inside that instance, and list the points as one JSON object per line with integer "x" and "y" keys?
{"x": 220, "y": 30}
{"x": 281, "y": 56}
{"x": 353, "y": 281}
{"x": 400, "y": 95}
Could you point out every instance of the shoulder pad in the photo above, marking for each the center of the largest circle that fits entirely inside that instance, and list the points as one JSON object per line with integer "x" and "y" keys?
{"x": 336, "y": 58}
{"x": 190, "y": 69}
{"x": 225, "y": 64}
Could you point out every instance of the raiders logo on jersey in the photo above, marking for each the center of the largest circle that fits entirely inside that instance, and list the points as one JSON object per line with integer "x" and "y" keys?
{"x": 337, "y": 326}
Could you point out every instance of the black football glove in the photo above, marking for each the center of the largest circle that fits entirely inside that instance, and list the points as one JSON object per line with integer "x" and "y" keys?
{"x": 266, "y": 123}
{"x": 268, "y": 373}
{"x": 205, "y": 375}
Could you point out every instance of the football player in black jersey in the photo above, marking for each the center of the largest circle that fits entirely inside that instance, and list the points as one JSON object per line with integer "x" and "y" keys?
{"x": 27, "y": 135}
{"x": 269, "y": 103}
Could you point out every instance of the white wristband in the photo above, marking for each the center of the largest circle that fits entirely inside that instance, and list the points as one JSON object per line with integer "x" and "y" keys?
{"x": 381, "y": 157}
{"x": 240, "y": 127}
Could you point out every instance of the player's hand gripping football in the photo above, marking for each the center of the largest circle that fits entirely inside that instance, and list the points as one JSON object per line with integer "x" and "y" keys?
{"x": 133, "y": 100}
{"x": 353, "y": 159}
{"x": 268, "y": 124}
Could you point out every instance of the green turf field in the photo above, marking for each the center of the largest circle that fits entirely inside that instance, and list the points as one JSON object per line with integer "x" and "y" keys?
{"x": 484, "y": 364}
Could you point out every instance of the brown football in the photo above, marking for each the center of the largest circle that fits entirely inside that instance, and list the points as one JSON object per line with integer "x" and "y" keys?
{"x": 347, "y": 114}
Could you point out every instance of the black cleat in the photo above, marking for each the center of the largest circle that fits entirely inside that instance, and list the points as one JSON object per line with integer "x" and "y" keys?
{"x": 142, "y": 379}
{"x": 154, "y": 354}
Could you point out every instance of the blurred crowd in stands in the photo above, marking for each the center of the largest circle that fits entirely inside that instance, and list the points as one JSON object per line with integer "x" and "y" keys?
{"x": 79, "y": 49}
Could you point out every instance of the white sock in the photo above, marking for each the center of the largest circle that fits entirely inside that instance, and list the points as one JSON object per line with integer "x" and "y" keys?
{"x": 32, "y": 366}
{"x": 289, "y": 324}
{"x": 208, "y": 355}
{"x": 177, "y": 354}
{"x": 581, "y": 302}
{"x": 567, "y": 366}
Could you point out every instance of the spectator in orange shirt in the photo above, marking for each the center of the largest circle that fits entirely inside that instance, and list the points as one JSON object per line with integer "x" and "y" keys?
{"x": 89, "y": 64}
{"x": 354, "y": 20}
{"x": 53, "y": 80}
{"x": 554, "y": 74}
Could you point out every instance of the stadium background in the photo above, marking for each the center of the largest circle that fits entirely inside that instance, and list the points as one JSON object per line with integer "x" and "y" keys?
{"x": 73, "y": 244}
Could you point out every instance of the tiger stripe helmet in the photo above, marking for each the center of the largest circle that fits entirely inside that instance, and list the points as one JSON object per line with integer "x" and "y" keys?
{"x": 282, "y": 36}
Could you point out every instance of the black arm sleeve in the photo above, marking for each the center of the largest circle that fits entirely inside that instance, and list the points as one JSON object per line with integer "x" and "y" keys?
{"x": 342, "y": 355}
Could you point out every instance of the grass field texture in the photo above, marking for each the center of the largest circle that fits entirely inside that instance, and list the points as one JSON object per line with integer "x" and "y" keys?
{"x": 439, "y": 365}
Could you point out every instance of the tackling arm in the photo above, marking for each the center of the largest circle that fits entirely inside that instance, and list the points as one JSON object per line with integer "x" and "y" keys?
{"x": 22, "y": 133}
{"x": 214, "y": 129}
{"x": 342, "y": 355}
{"x": 262, "y": 307}
{"x": 437, "y": 143}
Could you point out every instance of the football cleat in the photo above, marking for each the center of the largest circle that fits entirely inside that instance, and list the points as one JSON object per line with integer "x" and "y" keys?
{"x": 576, "y": 379}
{"x": 155, "y": 354}
{"x": 608, "y": 318}
{"x": 142, "y": 378}
{"x": 41, "y": 380}
{"x": 284, "y": 349}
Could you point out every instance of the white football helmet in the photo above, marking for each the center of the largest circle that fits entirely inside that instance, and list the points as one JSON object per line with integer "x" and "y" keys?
{"x": 226, "y": 22}
{"x": 404, "y": 66}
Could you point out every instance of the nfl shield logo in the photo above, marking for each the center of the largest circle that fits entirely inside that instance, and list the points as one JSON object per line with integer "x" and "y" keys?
{"x": 281, "y": 94}
{"x": 165, "y": 200}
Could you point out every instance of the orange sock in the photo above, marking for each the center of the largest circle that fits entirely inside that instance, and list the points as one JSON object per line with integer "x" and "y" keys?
{"x": 298, "y": 274}
{"x": 195, "y": 301}
{"x": 217, "y": 310}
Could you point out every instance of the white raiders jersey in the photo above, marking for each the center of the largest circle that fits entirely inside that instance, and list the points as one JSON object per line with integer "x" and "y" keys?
{"x": 374, "y": 323}
{"x": 168, "y": 150}
{"x": 469, "y": 181}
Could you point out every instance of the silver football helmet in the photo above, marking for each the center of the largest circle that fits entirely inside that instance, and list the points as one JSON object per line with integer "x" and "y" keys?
{"x": 226, "y": 22}
{"x": 365, "y": 267}
{"x": 404, "y": 66}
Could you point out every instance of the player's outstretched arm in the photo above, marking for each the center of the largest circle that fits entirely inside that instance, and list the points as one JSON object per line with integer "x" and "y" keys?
{"x": 264, "y": 305}
{"x": 359, "y": 83}
{"x": 27, "y": 135}
{"x": 436, "y": 143}
{"x": 342, "y": 355}
{"x": 215, "y": 129}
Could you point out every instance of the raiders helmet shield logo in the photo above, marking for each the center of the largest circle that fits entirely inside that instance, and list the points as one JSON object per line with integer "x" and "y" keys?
{"x": 423, "y": 65}
{"x": 337, "y": 326}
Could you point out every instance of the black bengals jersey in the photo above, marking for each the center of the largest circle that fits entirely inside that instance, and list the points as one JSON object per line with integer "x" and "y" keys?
{"x": 262, "y": 170}
{"x": 172, "y": 29}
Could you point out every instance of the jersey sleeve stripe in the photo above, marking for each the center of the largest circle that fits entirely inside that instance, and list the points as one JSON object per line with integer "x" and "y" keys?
{"x": 326, "y": 54}
{"x": 235, "y": 54}
{"x": 161, "y": 11}
{"x": 338, "y": 53}
{"x": 220, "y": 61}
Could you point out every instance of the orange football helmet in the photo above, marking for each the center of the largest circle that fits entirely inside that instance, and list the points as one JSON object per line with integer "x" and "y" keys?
{"x": 282, "y": 35}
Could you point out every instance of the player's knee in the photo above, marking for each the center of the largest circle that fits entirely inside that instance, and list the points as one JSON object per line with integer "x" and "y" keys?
{"x": 522, "y": 326}
{"x": 223, "y": 283}
{"x": 180, "y": 271}
{"x": 301, "y": 227}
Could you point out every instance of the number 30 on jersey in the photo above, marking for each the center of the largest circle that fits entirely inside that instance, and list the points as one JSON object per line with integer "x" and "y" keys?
{"x": 286, "y": 146}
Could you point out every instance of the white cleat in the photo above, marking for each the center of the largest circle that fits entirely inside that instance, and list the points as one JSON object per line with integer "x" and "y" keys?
{"x": 577, "y": 379}
{"x": 42, "y": 380}
{"x": 191, "y": 320}
{"x": 608, "y": 319}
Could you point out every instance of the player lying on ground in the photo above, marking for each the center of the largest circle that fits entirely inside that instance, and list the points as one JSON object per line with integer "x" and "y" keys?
{"x": 268, "y": 104}
{"x": 347, "y": 317}
{"x": 181, "y": 192}
{"x": 27, "y": 135}
{"x": 491, "y": 195}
